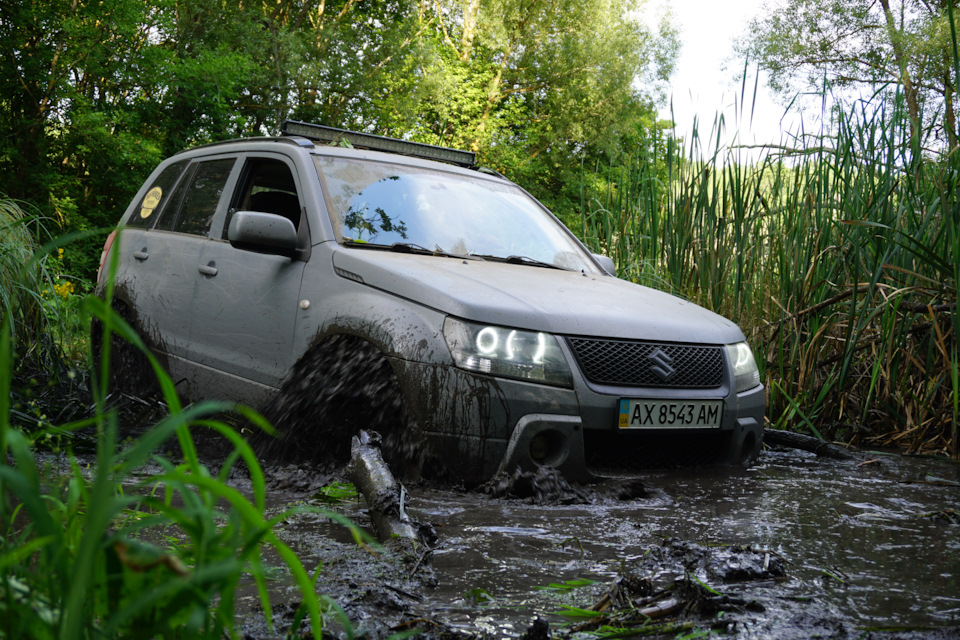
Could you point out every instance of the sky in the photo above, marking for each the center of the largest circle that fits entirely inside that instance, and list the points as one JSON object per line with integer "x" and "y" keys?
{"x": 704, "y": 82}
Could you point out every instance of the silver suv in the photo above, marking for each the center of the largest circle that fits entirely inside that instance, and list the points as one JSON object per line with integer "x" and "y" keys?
{"x": 343, "y": 281}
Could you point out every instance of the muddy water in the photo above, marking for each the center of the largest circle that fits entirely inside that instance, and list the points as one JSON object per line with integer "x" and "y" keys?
{"x": 808, "y": 547}
{"x": 866, "y": 544}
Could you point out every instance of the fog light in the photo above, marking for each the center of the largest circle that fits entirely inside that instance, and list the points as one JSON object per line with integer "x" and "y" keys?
{"x": 548, "y": 448}
{"x": 538, "y": 448}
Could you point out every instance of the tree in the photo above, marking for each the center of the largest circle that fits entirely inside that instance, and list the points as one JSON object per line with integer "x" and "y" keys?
{"x": 93, "y": 94}
{"x": 536, "y": 87}
{"x": 860, "y": 45}
{"x": 68, "y": 73}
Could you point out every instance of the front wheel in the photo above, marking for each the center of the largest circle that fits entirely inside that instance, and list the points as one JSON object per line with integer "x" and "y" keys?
{"x": 342, "y": 386}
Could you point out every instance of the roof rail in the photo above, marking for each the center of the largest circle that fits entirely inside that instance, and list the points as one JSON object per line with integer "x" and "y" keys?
{"x": 220, "y": 143}
{"x": 322, "y": 133}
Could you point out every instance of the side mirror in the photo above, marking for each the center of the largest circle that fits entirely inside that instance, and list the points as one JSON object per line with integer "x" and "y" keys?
{"x": 606, "y": 263}
{"x": 265, "y": 232}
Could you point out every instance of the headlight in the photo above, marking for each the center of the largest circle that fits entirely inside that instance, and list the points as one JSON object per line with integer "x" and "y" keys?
{"x": 745, "y": 372}
{"x": 508, "y": 353}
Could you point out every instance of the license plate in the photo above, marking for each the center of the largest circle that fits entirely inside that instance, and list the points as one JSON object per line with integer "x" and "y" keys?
{"x": 670, "y": 414}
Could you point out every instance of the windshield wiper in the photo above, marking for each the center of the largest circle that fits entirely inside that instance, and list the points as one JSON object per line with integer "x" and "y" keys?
{"x": 396, "y": 247}
{"x": 409, "y": 247}
{"x": 526, "y": 260}
{"x": 350, "y": 242}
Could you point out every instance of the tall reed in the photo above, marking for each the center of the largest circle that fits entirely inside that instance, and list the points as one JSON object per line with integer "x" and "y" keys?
{"x": 22, "y": 276}
{"x": 838, "y": 257}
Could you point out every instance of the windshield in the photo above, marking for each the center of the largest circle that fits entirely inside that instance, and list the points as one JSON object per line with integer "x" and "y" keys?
{"x": 384, "y": 204}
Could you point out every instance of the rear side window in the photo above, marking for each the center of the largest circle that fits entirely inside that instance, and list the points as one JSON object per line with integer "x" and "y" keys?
{"x": 157, "y": 197}
{"x": 200, "y": 194}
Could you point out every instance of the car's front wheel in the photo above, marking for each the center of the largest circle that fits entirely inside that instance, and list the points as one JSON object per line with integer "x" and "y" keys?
{"x": 340, "y": 387}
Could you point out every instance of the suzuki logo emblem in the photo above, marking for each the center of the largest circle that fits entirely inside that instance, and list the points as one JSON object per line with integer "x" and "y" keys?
{"x": 662, "y": 364}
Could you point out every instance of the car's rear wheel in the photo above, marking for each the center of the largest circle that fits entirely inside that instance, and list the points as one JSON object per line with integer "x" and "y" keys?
{"x": 342, "y": 386}
{"x": 129, "y": 372}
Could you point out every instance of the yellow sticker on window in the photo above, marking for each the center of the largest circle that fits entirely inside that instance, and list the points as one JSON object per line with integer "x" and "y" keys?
{"x": 150, "y": 202}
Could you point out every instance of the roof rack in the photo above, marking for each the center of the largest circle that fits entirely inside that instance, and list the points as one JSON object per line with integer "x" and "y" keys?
{"x": 322, "y": 133}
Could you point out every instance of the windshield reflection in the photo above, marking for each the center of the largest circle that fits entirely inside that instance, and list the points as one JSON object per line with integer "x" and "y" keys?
{"x": 386, "y": 205}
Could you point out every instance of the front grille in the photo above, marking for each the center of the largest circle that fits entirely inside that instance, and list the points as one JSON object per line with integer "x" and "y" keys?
{"x": 647, "y": 364}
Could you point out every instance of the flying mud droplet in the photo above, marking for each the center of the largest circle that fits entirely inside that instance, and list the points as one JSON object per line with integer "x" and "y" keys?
{"x": 544, "y": 485}
{"x": 337, "y": 389}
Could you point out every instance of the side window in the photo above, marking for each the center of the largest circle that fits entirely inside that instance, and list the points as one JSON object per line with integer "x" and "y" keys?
{"x": 267, "y": 185}
{"x": 158, "y": 196}
{"x": 200, "y": 195}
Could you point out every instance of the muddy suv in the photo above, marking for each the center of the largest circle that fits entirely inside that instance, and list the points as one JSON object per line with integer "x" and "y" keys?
{"x": 342, "y": 281}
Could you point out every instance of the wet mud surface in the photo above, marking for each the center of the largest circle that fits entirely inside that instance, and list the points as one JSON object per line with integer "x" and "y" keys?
{"x": 798, "y": 546}
{"x": 801, "y": 545}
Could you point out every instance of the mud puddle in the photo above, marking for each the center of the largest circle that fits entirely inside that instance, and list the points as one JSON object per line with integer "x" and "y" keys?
{"x": 795, "y": 547}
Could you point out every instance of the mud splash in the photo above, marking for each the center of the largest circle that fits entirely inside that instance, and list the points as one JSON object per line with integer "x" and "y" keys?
{"x": 326, "y": 400}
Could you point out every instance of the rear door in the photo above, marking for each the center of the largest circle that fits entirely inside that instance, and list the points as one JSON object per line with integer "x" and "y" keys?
{"x": 160, "y": 248}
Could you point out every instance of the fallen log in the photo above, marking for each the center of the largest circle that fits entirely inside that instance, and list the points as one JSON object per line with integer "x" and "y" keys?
{"x": 385, "y": 496}
{"x": 805, "y": 443}
{"x": 662, "y": 608}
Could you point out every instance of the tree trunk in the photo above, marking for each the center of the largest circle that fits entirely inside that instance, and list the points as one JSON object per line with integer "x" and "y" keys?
{"x": 949, "y": 117}
{"x": 805, "y": 443}
{"x": 909, "y": 91}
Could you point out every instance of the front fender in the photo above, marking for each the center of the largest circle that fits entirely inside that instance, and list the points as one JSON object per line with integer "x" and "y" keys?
{"x": 399, "y": 328}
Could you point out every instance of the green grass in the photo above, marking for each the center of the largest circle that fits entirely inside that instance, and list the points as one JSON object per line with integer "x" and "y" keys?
{"x": 839, "y": 260}
{"x": 105, "y": 550}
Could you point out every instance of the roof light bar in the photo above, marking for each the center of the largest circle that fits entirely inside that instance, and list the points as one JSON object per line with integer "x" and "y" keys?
{"x": 322, "y": 133}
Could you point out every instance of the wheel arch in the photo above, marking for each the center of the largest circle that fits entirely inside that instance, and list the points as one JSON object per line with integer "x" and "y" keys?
{"x": 399, "y": 328}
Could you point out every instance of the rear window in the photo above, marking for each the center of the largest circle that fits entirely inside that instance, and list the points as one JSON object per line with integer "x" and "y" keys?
{"x": 198, "y": 195}
{"x": 157, "y": 196}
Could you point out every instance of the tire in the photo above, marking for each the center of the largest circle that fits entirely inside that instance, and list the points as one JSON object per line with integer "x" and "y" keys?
{"x": 130, "y": 372}
{"x": 337, "y": 389}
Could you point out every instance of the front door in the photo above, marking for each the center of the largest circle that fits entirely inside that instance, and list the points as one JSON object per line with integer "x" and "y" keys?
{"x": 246, "y": 303}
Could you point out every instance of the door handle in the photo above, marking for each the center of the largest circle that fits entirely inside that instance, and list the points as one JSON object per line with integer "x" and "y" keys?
{"x": 208, "y": 269}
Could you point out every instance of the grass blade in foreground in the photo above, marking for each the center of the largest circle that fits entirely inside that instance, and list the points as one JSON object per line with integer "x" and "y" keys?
{"x": 79, "y": 562}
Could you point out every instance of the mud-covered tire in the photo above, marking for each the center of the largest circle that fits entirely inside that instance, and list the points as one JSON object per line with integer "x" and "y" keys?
{"x": 130, "y": 371}
{"x": 340, "y": 387}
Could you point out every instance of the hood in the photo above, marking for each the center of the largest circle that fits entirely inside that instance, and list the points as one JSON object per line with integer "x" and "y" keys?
{"x": 537, "y": 298}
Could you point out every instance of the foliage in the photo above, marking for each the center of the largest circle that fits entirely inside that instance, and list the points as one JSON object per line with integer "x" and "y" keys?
{"x": 568, "y": 585}
{"x": 859, "y": 47}
{"x": 540, "y": 88}
{"x": 534, "y": 87}
{"x": 108, "y": 550}
{"x": 17, "y": 247}
{"x": 36, "y": 298}
{"x": 840, "y": 263}
{"x": 336, "y": 493}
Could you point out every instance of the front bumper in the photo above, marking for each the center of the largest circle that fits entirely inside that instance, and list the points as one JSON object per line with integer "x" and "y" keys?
{"x": 478, "y": 426}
